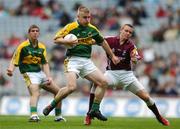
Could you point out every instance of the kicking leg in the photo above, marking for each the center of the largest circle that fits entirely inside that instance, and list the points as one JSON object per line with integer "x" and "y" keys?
{"x": 137, "y": 89}
{"x": 62, "y": 93}
{"x": 98, "y": 78}
{"x": 91, "y": 98}
{"x": 87, "y": 120}
{"x": 152, "y": 106}
{"x": 54, "y": 88}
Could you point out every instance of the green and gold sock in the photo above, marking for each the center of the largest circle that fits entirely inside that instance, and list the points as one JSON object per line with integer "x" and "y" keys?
{"x": 33, "y": 110}
{"x": 57, "y": 111}
{"x": 95, "y": 106}
{"x": 53, "y": 103}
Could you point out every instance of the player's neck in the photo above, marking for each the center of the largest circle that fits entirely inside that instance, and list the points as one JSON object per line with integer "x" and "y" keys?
{"x": 122, "y": 41}
{"x": 34, "y": 42}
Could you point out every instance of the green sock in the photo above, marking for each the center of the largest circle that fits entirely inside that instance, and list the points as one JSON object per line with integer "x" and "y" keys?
{"x": 57, "y": 111}
{"x": 33, "y": 110}
{"x": 95, "y": 106}
{"x": 53, "y": 103}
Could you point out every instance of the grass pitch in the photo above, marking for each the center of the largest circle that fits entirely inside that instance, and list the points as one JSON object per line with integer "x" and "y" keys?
{"x": 21, "y": 122}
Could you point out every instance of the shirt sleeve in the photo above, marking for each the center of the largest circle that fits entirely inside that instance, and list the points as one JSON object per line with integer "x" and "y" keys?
{"x": 98, "y": 38}
{"x": 16, "y": 56}
{"x": 134, "y": 53}
{"x": 44, "y": 57}
{"x": 62, "y": 32}
{"x": 109, "y": 41}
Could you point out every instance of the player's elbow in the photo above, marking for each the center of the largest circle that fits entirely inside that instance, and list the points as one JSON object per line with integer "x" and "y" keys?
{"x": 103, "y": 83}
{"x": 58, "y": 40}
{"x": 72, "y": 89}
{"x": 55, "y": 41}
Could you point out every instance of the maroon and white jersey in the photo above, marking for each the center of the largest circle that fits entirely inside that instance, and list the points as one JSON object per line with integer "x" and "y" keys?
{"x": 125, "y": 52}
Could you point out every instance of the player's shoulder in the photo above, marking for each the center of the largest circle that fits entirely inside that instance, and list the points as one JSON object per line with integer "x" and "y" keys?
{"x": 23, "y": 44}
{"x": 111, "y": 37}
{"x": 71, "y": 25}
{"x": 41, "y": 45}
{"x": 131, "y": 42}
{"x": 92, "y": 27}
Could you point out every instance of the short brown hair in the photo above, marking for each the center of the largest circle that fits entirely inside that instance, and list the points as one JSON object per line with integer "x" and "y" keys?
{"x": 32, "y": 27}
{"x": 129, "y": 25}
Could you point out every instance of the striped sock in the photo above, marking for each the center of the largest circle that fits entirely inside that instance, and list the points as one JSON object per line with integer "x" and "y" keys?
{"x": 95, "y": 106}
{"x": 33, "y": 110}
{"x": 53, "y": 103}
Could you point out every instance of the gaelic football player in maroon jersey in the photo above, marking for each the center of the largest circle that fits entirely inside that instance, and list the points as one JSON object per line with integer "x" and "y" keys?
{"x": 122, "y": 75}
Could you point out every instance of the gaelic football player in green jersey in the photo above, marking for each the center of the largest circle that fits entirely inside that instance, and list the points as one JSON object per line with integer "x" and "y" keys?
{"x": 29, "y": 56}
{"x": 78, "y": 62}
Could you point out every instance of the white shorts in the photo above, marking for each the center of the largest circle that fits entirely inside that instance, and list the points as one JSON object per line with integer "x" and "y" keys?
{"x": 124, "y": 79}
{"x": 80, "y": 65}
{"x": 34, "y": 78}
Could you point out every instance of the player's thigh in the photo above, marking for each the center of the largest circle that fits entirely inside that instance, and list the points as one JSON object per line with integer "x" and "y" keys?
{"x": 97, "y": 77}
{"x": 116, "y": 79}
{"x": 111, "y": 80}
{"x": 72, "y": 65}
{"x": 34, "y": 89}
{"x": 87, "y": 67}
{"x": 33, "y": 78}
{"x": 143, "y": 94}
{"x": 71, "y": 78}
{"x": 135, "y": 87}
{"x": 53, "y": 88}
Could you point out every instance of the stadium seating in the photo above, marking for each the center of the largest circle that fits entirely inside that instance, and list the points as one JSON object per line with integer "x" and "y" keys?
{"x": 18, "y": 25}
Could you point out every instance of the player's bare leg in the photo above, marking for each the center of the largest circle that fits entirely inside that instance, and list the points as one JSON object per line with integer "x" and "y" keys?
{"x": 152, "y": 106}
{"x": 34, "y": 96}
{"x": 137, "y": 89}
{"x": 98, "y": 78}
{"x": 53, "y": 88}
{"x": 63, "y": 92}
{"x": 87, "y": 120}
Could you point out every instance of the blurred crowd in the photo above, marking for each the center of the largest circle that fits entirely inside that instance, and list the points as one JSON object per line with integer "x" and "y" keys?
{"x": 170, "y": 29}
{"x": 160, "y": 75}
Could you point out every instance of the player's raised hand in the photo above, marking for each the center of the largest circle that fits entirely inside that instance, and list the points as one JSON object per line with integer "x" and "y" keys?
{"x": 9, "y": 72}
{"x": 49, "y": 80}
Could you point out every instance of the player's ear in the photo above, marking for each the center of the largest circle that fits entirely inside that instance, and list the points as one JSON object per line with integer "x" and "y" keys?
{"x": 77, "y": 16}
{"x": 121, "y": 28}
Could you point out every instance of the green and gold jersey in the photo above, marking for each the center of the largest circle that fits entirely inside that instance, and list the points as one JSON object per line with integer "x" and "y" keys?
{"x": 29, "y": 58}
{"x": 85, "y": 34}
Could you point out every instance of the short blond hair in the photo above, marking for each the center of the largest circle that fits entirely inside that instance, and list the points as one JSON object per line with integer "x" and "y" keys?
{"x": 82, "y": 9}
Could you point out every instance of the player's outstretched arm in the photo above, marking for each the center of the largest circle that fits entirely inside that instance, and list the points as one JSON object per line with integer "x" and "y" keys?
{"x": 10, "y": 69}
{"x": 108, "y": 50}
{"x": 62, "y": 41}
{"x": 135, "y": 56}
{"x": 46, "y": 70}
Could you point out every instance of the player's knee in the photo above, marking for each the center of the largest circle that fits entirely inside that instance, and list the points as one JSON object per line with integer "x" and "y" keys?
{"x": 149, "y": 101}
{"x": 36, "y": 94}
{"x": 103, "y": 83}
{"x": 143, "y": 95}
{"x": 72, "y": 88}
